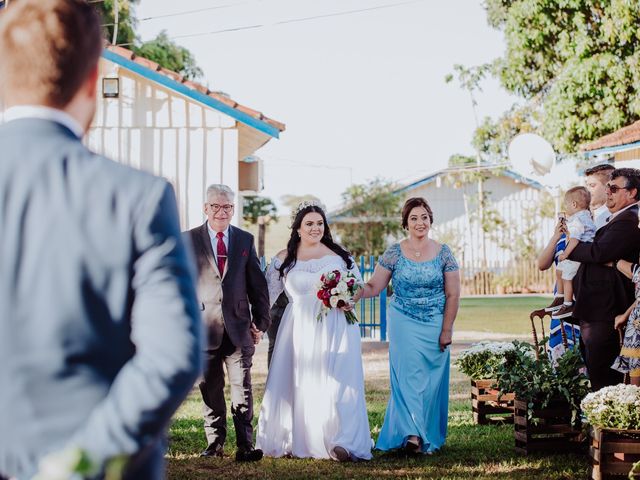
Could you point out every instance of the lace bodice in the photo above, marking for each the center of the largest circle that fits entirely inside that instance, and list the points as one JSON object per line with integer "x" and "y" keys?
{"x": 418, "y": 286}
{"x": 304, "y": 277}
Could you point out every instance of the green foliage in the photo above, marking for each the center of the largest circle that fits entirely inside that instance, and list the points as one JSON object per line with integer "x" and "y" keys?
{"x": 537, "y": 381}
{"x": 492, "y": 137}
{"x": 255, "y": 207}
{"x": 126, "y": 20}
{"x": 170, "y": 55}
{"x": 575, "y": 60}
{"x": 161, "y": 49}
{"x": 372, "y": 213}
{"x": 481, "y": 360}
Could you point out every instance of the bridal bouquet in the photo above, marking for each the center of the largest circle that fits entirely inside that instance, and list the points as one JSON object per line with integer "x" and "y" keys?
{"x": 335, "y": 290}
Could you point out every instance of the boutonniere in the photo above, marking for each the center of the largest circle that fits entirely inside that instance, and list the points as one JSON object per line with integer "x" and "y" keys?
{"x": 245, "y": 253}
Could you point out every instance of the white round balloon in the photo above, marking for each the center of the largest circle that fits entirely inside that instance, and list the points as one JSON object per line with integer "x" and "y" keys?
{"x": 531, "y": 155}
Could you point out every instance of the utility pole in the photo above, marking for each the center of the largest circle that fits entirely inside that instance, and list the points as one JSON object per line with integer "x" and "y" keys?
{"x": 116, "y": 10}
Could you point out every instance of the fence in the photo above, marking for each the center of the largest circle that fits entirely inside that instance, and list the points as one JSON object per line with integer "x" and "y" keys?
{"x": 516, "y": 276}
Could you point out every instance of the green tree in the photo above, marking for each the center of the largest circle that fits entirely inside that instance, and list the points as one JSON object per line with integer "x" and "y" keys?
{"x": 259, "y": 211}
{"x": 161, "y": 49}
{"x": 127, "y": 22}
{"x": 492, "y": 137}
{"x": 575, "y": 60}
{"x": 370, "y": 216}
{"x": 170, "y": 55}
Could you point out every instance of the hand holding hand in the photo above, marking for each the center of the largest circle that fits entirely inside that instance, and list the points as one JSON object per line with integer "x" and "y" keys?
{"x": 445, "y": 339}
{"x": 256, "y": 334}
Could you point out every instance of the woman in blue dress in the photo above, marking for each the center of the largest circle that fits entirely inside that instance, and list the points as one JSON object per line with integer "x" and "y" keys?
{"x": 426, "y": 285}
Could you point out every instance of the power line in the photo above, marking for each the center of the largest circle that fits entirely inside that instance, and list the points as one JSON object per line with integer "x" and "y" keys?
{"x": 189, "y": 12}
{"x": 295, "y": 20}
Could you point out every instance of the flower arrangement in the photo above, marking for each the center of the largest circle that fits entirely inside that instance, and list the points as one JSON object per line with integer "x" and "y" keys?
{"x": 336, "y": 290}
{"x": 617, "y": 407}
{"x": 537, "y": 381}
{"x": 480, "y": 361}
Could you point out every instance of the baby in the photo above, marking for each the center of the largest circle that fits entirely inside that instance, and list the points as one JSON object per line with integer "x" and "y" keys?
{"x": 581, "y": 228}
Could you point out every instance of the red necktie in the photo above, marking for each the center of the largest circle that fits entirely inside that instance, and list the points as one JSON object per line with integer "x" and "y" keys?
{"x": 221, "y": 252}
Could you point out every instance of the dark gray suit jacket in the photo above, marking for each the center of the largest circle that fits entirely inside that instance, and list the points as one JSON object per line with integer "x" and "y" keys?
{"x": 243, "y": 283}
{"x": 99, "y": 325}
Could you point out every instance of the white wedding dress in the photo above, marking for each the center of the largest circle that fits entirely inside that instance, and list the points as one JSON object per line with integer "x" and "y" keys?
{"x": 314, "y": 397}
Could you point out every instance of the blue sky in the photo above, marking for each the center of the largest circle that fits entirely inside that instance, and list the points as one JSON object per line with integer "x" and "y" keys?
{"x": 362, "y": 94}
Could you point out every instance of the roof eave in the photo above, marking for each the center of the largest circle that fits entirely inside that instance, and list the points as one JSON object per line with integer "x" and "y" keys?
{"x": 207, "y": 100}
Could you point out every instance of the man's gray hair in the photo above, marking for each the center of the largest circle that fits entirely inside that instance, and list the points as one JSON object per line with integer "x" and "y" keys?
{"x": 219, "y": 189}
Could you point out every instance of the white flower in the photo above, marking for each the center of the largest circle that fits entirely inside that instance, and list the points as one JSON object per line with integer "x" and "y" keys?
{"x": 334, "y": 291}
{"x": 334, "y": 301}
{"x": 342, "y": 287}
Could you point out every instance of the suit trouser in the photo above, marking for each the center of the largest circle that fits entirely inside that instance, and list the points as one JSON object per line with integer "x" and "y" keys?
{"x": 600, "y": 345}
{"x": 238, "y": 361}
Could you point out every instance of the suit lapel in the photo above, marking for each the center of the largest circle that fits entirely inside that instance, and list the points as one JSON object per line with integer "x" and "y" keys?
{"x": 205, "y": 246}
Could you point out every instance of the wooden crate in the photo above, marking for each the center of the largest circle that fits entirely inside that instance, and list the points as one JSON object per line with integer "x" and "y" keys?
{"x": 553, "y": 431}
{"x": 487, "y": 408}
{"x": 613, "y": 452}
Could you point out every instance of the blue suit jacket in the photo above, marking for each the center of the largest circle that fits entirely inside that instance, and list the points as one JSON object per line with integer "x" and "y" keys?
{"x": 99, "y": 326}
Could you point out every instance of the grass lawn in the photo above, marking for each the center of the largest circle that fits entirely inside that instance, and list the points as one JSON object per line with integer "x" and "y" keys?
{"x": 471, "y": 451}
{"x": 499, "y": 314}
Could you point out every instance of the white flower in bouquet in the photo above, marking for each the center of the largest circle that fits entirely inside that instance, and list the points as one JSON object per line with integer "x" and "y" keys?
{"x": 336, "y": 289}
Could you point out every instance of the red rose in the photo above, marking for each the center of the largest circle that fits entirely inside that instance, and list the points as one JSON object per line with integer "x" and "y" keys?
{"x": 327, "y": 303}
{"x": 320, "y": 294}
{"x": 341, "y": 303}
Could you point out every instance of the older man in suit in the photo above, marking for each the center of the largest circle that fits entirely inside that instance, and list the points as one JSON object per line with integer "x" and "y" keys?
{"x": 229, "y": 281}
{"x": 601, "y": 291}
{"x": 100, "y": 335}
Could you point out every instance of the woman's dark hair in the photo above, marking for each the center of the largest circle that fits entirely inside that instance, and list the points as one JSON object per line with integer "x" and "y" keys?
{"x": 294, "y": 241}
{"x": 412, "y": 203}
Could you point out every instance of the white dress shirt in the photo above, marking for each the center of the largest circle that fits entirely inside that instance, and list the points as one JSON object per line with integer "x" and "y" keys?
{"x": 44, "y": 113}
{"x": 600, "y": 216}
{"x": 214, "y": 240}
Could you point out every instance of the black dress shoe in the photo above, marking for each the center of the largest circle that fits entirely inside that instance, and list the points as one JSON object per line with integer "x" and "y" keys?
{"x": 253, "y": 455}
{"x": 213, "y": 450}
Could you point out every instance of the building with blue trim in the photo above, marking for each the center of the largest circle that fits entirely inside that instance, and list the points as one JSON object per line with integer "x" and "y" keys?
{"x": 154, "y": 119}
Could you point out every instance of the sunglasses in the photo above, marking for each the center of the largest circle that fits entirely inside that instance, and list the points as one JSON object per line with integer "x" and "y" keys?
{"x": 615, "y": 188}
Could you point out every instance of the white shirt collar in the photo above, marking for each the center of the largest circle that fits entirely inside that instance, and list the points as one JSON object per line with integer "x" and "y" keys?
{"x": 613, "y": 215}
{"x": 213, "y": 233}
{"x": 44, "y": 113}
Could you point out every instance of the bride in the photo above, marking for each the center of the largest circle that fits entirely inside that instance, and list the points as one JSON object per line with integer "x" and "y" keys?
{"x": 314, "y": 402}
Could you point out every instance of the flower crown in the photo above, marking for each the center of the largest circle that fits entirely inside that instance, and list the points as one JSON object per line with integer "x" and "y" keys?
{"x": 302, "y": 205}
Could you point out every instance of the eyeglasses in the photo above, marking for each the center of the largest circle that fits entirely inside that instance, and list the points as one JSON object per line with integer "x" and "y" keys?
{"x": 614, "y": 188}
{"x": 225, "y": 208}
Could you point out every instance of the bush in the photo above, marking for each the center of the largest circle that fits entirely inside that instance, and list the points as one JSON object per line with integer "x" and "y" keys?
{"x": 617, "y": 406}
{"x": 536, "y": 381}
{"x": 480, "y": 361}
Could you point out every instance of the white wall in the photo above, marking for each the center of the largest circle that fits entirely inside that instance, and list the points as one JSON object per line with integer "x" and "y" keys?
{"x": 508, "y": 198}
{"x": 156, "y": 129}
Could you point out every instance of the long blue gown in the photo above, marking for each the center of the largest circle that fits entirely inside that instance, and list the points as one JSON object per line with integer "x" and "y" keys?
{"x": 419, "y": 371}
